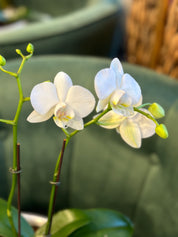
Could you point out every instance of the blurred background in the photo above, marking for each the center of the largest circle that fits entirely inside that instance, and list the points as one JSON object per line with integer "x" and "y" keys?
{"x": 143, "y": 32}
{"x": 80, "y": 37}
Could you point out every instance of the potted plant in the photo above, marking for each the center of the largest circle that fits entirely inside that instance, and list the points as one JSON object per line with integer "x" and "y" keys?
{"x": 119, "y": 107}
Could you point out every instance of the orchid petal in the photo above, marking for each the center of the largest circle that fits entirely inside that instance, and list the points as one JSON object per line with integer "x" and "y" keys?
{"x": 76, "y": 123}
{"x": 116, "y": 96}
{"x": 147, "y": 126}
{"x": 130, "y": 133}
{"x": 59, "y": 122}
{"x": 131, "y": 87}
{"x": 139, "y": 102}
{"x": 117, "y": 68}
{"x": 81, "y": 100}
{"x": 35, "y": 117}
{"x": 105, "y": 83}
{"x": 63, "y": 114}
{"x": 110, "y": 120}
{"x": 62, "y": 82}
{"x": 43, "y": 97}
{"x": 102, "y": 104}
{"x": 126, "y": 100}
{"x": 124, "y": 111}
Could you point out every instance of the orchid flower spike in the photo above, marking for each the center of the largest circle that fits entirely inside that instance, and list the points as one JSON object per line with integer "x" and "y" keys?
{"x": 69, "y": 104}
{"x": 119, "y": 90}
{"x": 132, "y": 128}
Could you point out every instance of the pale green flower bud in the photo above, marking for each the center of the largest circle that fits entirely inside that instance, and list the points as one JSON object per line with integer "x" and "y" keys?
{"x": 161, "y": 131}
{"x": 30, "y": 48}
{"x": 156, "y": 110}
{"x": 2, "y": 61}
{"x": 18, "y": 51}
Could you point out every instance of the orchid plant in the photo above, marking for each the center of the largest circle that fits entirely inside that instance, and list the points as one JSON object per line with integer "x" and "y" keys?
{"x": 119, "y": 107}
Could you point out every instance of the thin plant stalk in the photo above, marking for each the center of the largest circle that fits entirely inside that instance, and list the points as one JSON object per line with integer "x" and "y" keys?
{"x": 14, "y": 124}
{"x": 57, "y": 171}
{"x": 18, "y": 186}
{"x": 55, "y": 183}
{"x": 14, "y": 176}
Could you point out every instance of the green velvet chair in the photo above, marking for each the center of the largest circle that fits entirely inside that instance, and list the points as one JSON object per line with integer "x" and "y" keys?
{"x": 74, "y": 27}
{"x": 99, "y": 169}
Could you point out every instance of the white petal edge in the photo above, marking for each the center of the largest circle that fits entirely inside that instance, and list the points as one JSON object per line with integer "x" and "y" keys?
{"x": 116, "y": 96}
{"x": 81, "y": 100}
{"x": 111, "y": 120}
{"x": 43, "y": 97}
{"x": 147, "y": 126}
{"x": 130, "y": 133}
{"x": 131, "y": 87}
{"x": 105, "y": 83}
{"x": 76, "y": 123}
{"x": 102, "y": 104}
{"x": 63, "y": 82}
{"x": 118, "y": 69}
{"x": 35, "y": 117}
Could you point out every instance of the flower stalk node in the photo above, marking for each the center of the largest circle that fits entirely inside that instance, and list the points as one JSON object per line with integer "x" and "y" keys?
{"x": 55, "y": 183}
{"x": 15, "y": 171}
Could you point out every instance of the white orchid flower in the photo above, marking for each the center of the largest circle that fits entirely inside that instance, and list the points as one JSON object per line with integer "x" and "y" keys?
{"x": 119, "y": 90}
{"x": 132, "y": 128}
{"x": 69, "y": 104}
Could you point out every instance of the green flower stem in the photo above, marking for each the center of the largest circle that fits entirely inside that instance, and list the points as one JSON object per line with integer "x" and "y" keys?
{"x": 143, "y": 105}
{"x": 56, "y": 177}
{"x": 14, "y": 176}
{"x": 14, "y": 124}
{"x": 7, "y": 72}
{"x": 58, "y": 169}
{"x": 146, "y": 114}
{"x": 95, "y": 120}
{"x": 11, "y": 122}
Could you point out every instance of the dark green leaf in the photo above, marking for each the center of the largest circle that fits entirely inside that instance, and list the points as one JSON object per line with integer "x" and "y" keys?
{"x": 5, "y": 228}
{"x": 105, "y": 223}
{"x": 89, "y": 223}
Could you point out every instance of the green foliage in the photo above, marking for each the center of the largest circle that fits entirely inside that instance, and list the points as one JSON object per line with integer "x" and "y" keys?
{"x": 89, "y": 223}
{"x": 5, "y": 227}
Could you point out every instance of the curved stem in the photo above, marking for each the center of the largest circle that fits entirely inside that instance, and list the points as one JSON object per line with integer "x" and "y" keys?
{"x": 14, "y": 176}
{"x": 146, "y": 115}
{"x": 95, "y": 120}
{"x": 58, "y": 169}
{"x": 14, "y": 123}
{"x": 7, "y": 72}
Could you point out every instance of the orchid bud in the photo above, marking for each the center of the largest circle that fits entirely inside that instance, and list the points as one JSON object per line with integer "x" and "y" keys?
{"x": 18, "y": 51}
{"x": 30, "y": 48}
{"x": 161, "y": 131}
{"x": 156, "y": 110}
{"x": 2, "y": 61}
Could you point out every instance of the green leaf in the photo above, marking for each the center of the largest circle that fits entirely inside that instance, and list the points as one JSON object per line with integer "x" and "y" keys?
{"x": 105, "y": 222}
{"x": 89, "y": 223}
{"x": 5, "y": 228}
{"x": 66, "y": 222}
